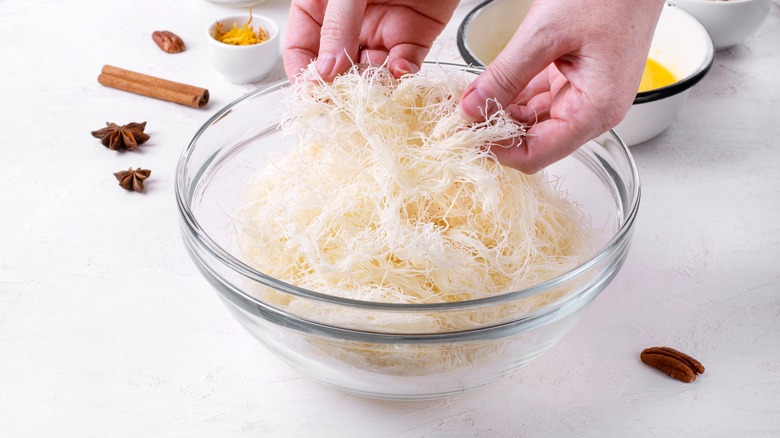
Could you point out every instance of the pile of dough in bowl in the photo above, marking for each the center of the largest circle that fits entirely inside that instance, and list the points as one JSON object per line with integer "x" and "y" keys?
{"x": 389, "y": 195}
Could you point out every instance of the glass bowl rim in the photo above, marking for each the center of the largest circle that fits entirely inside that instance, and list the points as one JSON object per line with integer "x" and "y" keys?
{"x": 188, "y": 219}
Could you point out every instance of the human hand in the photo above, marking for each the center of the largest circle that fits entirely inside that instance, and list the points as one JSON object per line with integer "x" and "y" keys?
{"x": 339, "y": 32}
{"x": 571, "y": 70}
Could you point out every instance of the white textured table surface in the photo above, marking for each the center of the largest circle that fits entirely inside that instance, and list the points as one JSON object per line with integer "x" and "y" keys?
{"x": 107, "y": 329}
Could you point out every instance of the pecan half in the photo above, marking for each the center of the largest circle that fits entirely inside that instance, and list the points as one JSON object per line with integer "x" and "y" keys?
{"x": 169, "y": 42}
{"x": 672, "y": 362}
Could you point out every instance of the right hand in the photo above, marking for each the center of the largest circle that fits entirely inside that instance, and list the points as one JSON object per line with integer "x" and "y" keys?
{"x": 571, "y": 71}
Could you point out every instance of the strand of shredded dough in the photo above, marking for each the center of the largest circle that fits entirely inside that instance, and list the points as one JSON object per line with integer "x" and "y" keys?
{"x": 390, "y": 196}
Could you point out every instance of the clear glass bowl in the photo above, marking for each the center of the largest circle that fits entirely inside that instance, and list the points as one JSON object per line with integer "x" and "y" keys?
{"x": 364, "y": 347}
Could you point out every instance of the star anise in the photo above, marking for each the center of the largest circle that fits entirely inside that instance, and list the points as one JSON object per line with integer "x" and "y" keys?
{"x": 132, "y": 179}
{"x": 127, "y": 136}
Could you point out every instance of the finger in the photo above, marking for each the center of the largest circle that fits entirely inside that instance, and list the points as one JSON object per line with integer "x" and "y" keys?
{"x": 543, "y": 144}
{"x": 406, "y": 58}
{"x": 302, "y": 40}
{"x": 546, "y": 142}
{"x": 534, "y": 111}
{"x": 373, "y": 57}
{"x": 554, "y": 138}
{"x": 556, "y": 79}
{"x": 339, "y": 37}
{"x": 538, "y": 85}
{"x": 527, "y": 54}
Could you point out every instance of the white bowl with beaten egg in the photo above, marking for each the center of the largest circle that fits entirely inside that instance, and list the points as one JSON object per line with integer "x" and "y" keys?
{"x": 680, "y": 44}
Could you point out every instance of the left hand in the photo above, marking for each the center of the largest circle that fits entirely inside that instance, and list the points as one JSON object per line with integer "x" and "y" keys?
{"x": 338, "y": 33}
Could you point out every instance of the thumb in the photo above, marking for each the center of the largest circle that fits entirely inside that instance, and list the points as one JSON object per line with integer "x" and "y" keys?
{"x": 527, "y": 54}
{"x": 339, "y": 37}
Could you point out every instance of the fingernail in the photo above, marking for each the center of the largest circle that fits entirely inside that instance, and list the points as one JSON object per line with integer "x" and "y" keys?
{"x": 324, "y": 66}
{"x": 404, "y": 67}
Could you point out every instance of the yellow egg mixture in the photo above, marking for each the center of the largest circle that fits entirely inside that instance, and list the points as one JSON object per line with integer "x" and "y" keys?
{"x": 655, "y": 76}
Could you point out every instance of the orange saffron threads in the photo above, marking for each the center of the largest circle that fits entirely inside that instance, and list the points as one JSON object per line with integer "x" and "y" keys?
{"x": 240, "y": 36}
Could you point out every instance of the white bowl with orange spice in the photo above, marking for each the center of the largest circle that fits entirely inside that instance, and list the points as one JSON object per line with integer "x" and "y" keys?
{"x": 243, "y": 48}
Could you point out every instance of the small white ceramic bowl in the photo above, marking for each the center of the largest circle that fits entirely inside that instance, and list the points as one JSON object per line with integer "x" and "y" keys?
{"x": 244, "y": 64}
{"x": 237, "y": 3}
{"x": 680, "y": 43}
{"x": 729, "y": 22}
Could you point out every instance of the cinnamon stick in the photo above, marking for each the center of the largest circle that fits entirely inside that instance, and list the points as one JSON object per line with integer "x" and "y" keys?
{"x": 155, "y": 87}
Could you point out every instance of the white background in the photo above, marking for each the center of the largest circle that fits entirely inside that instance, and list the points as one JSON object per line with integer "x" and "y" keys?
{"x": 107, "y": 329}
